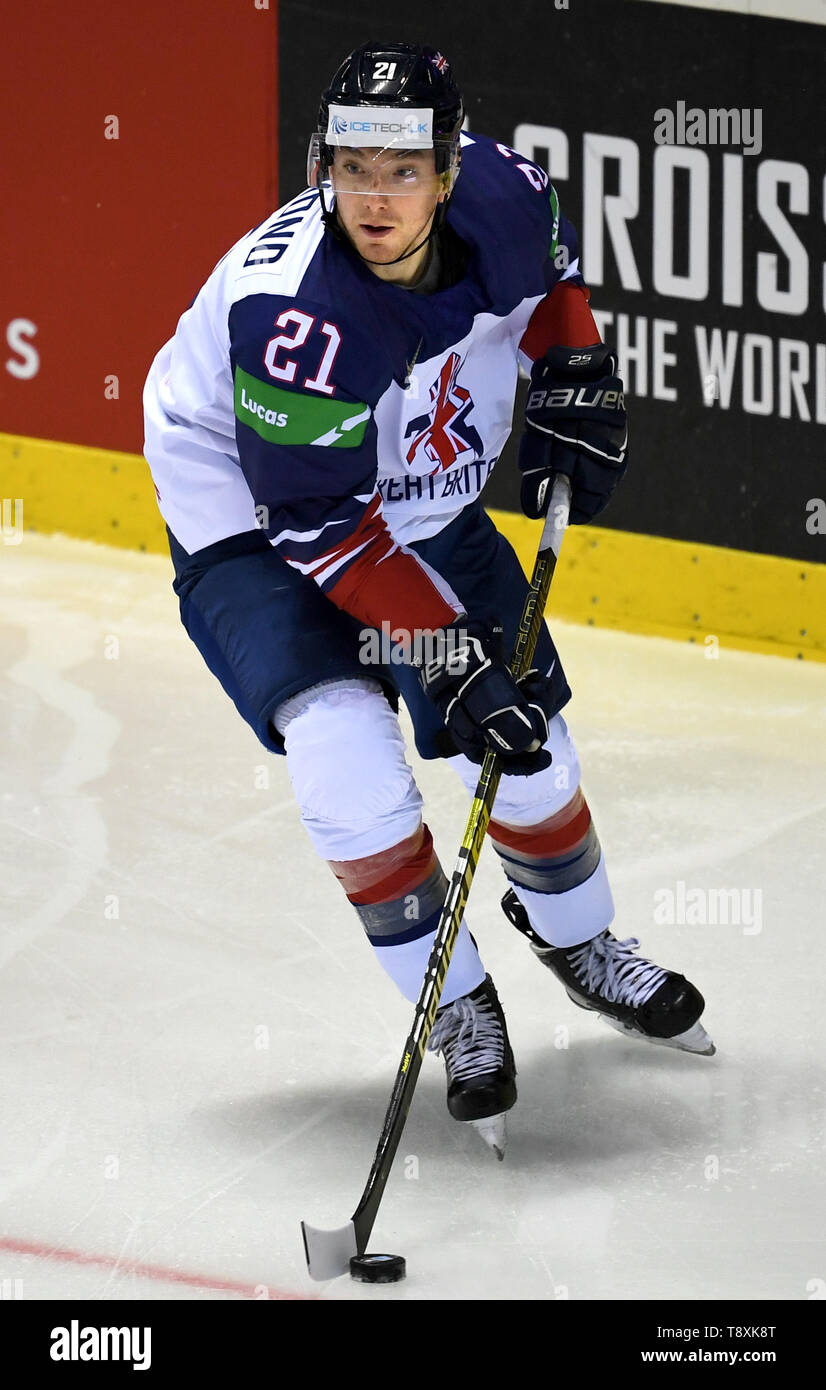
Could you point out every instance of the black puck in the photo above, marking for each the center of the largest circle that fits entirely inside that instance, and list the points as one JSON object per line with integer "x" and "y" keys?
{"x": 378, "y": 1269}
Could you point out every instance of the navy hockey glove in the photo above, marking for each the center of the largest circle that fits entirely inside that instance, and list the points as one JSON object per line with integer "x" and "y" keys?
{"x": 481, "y": 703}
{"x": 574, "y": 424}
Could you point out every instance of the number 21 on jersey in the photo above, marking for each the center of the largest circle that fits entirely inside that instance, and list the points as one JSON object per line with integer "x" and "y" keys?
{"x": 283, "y": 344}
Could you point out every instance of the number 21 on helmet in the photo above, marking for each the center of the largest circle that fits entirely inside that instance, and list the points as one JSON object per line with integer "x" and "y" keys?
{"x": 388, "y": 126}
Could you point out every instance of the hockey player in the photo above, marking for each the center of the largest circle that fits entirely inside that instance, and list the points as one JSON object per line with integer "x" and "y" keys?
{"x": 319, "y": 430}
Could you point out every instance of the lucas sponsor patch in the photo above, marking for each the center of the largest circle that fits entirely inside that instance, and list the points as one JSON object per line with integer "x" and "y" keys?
{"x": 290, "y": 417}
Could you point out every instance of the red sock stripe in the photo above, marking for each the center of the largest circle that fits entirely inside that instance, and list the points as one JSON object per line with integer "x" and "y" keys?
{"x": 558, "y": 835}
{"x": 394, "y": 872}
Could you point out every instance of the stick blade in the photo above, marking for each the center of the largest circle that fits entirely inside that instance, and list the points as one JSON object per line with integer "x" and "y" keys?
{"x": 329, "y": 1252}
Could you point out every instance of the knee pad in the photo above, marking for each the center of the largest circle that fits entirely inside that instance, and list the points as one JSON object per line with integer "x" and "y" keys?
{"x": 528, "y": 800}
{"x": 346, "y": 761}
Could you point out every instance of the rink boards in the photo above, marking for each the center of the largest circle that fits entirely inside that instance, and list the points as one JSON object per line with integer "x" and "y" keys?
{"x": 705, "y": 594}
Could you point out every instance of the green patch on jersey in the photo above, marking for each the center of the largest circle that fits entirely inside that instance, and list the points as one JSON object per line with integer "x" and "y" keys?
{"x": 555, "y": 230}
{"x": 293, "y": 417}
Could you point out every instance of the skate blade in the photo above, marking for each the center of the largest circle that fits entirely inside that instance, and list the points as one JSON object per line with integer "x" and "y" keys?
{"x": 695, "y": 1039}
{"x": 493, "y": 1130}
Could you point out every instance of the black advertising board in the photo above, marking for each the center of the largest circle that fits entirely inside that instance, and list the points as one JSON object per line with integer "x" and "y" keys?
{"x": 689, "y": 149}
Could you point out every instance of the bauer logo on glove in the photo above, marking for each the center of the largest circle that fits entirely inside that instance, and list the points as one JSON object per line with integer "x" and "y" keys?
{"x": 575, "y": 423}
{"x": 560, "y": 396}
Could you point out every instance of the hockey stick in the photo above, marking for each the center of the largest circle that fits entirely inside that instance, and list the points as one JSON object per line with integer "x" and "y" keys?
{"x": 329, "y": 1252}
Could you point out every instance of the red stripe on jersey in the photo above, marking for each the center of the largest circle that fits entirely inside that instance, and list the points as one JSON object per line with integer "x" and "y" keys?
{"x": 561, "y": 319}
{"x": 558, "y": 835}
{"x": 384, "y": 583}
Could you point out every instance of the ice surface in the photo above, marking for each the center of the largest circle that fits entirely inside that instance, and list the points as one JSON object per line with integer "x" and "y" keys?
{"x": 198, "y": 1046}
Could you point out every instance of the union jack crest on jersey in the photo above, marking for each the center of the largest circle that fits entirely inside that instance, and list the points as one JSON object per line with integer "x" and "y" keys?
{"x": 444, "y": 433}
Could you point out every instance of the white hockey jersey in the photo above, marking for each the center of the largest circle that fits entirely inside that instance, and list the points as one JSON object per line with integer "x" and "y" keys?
{"x": 347, "y": 417}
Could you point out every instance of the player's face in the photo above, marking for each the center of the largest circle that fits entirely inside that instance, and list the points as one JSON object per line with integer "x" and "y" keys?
{"x": 386, "y": 201}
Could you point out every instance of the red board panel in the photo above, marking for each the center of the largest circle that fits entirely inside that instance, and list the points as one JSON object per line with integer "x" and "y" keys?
{"x": 106, "y": 241}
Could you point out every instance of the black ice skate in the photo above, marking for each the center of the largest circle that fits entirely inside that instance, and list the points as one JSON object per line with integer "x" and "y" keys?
{"x": 472, "y": 1036}
{"x": 632, "y": 994}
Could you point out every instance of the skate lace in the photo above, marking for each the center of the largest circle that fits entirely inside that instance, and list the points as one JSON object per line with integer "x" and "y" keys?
{"x": 608, "y": 967}
{"x": 469, "y": 1036}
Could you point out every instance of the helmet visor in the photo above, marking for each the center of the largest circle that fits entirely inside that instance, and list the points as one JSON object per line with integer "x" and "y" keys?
{"x": 389, "y": 151}
{"x": 387, "y": 172}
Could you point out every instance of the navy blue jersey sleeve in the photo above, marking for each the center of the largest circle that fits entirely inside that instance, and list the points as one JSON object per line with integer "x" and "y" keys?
{"x": 557, "y": 235}
{"x": 507, "y": 209}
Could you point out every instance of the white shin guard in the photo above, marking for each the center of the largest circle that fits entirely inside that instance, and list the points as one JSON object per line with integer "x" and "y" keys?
{"x": 347, "y": 764}
{"x": 584, "y": 910}
{"x": 357, "y": 796}
{"x": 529, "y": 800}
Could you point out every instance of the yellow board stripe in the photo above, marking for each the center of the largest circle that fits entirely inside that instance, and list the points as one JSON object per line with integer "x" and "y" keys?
{"x": 96, "y": 494}
{"x": 605, "y": 578}
{"x": 677, "y": 589}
